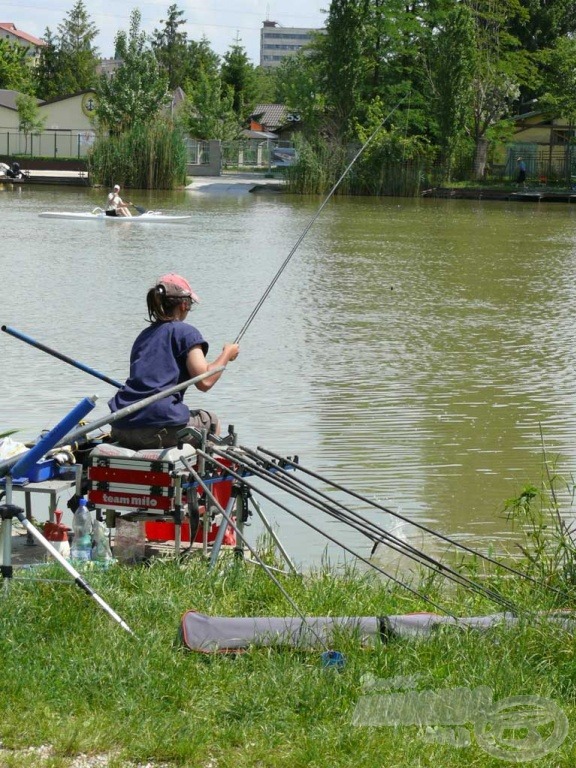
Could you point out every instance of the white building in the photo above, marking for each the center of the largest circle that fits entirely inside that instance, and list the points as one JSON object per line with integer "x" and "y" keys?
{"x": 277, "y": 42}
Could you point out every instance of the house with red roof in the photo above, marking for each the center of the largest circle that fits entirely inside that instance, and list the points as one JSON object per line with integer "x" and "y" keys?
{"x": 8, "y": 31}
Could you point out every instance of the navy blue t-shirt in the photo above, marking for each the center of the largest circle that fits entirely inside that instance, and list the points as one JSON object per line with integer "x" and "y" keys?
{"x": 157, "y": 362}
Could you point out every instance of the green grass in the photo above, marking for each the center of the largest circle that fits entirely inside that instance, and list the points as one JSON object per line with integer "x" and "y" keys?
{"x": 73, "y": 679}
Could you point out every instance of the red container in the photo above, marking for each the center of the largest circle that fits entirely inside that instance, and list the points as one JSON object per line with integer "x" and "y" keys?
{"x": 165, "y": 530}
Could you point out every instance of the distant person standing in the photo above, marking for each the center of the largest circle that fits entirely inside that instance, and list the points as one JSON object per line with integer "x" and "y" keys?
{"x": 521, "y": 178}
{"x": 115, "y": 205}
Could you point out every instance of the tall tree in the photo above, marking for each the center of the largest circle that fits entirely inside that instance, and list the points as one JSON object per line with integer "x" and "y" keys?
{"x": 451, "y": 70}
{"x": 46, "y": 75}
{"x": 138, "y": 90}
{"x": 170, "y": 46}
{"x": 208, "y": 112}
{"x": 77, "y": 56}
{"x": 238, "y": 73}
{"x": 342, "y": 62}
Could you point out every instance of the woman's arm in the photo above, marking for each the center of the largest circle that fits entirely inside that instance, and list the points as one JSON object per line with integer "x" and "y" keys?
{"x": 197, "y": 364}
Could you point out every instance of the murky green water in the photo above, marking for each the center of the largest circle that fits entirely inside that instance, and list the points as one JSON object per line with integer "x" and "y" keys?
{"x": 412, "y": 349}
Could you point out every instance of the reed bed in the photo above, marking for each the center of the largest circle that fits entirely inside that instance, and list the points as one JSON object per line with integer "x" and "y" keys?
{"x": 148, "y": 156}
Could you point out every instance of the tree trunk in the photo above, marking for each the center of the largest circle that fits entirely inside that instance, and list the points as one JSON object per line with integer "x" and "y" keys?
{"x": 480, "y": 157}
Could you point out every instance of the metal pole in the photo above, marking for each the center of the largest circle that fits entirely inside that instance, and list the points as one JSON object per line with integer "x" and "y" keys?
{"x": 29, "y": 340}
{"x": 80, "y": 582}
{"x": 112, "y": 417}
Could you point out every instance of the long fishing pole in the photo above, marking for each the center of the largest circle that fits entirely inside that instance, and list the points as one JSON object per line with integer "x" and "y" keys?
{"x": 311, "y": 222}
{"x": 282, "y": 482}
{"x": 326, "y": 535}
{"x": 54, "y": 353}
{"x": 368, "y": 528}
{"x": 110, "y": 418}
{"x": 415, "y": 523}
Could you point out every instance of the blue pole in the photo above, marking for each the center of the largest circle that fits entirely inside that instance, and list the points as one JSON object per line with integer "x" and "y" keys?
{"x": 26, "y": 462}
{"x": 22, "y": 336}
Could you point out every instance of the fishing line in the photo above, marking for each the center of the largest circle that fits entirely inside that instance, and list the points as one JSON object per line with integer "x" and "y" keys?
{"x": 291, "y": 512}
{"x": 395, "y": 544}
{"x": 311, "y": 222}
{"x": 415, "y": 523}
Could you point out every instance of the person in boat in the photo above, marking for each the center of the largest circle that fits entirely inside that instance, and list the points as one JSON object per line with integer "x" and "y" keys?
{"x": 169, "y": 351}
{"x": 115, "y": 205}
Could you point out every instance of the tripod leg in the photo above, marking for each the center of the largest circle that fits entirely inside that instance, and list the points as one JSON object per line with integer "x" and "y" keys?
{"x": 7, "y": 511}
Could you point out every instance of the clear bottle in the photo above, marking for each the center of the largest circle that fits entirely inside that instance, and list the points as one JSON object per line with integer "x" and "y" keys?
{"x": 101, "y": 551}
{"x": 81, "y": 549}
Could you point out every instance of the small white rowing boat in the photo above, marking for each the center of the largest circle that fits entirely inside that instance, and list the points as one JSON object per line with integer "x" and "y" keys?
{"x": 151, "y": 217}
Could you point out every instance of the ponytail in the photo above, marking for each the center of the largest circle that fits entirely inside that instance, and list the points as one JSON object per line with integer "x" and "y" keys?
{"x": 160, "y": 306}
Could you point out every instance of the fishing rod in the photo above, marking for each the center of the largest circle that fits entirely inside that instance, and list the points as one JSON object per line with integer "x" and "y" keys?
{"x": 307, "y": 228}
{"x": 54, "y": 353}
{"x": 110, "y": 418}
{"x": 315, "y": 528}
{"x": 415, "y": 523}
{"x": 373, "y": 531}
{"x": 285, "y": 482}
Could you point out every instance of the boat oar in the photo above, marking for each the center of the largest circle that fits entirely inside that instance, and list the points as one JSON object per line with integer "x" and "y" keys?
{"x": 139, "y": 208}
{"x": 23, "y": 337}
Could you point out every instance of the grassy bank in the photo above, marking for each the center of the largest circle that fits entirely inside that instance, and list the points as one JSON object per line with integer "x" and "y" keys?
{"x": 72, "y": 679}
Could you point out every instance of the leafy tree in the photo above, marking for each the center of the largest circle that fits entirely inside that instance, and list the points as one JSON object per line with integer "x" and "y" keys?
{"x": 208, "y": 112}
{"x": 239, "y": 74}
{"x": 559, "y": 64}
{"x": 170, "y": 46}
{"x": 541, "y": 22}
{"x": 265, "y": 85}
{"x": 15, "y": 71}
{"x": 298, "y": 87}
{"x": 29, "y": 119}
{"x": 138, "y": 90}
{"x": 201, "y": 57}
{"x": 451, "y": 70}
{"x": 499, "y": 66}
{"x": 342, "y": 62}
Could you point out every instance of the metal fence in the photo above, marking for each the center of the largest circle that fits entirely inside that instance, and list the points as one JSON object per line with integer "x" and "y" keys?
{"x": 52, "y": 144}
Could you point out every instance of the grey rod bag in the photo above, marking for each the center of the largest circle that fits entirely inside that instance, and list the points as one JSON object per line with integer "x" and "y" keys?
{"x": 213, "y": 634}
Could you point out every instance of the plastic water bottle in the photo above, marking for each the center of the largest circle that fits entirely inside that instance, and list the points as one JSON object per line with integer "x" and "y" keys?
{"x": 101, "y": 552}
{"x": 82, "y": 526}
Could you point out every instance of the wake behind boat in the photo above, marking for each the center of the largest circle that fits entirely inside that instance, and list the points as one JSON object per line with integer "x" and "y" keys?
{"x": 98, "y": 214}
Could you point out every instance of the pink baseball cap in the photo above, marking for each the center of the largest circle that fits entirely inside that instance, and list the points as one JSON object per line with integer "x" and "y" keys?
{"x": 177, "y": 286}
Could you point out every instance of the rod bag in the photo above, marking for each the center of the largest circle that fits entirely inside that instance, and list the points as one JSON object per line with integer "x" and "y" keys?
{"x": 221, "y": 634}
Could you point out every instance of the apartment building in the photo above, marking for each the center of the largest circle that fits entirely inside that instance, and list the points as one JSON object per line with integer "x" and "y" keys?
{"x": 277, "y": 42}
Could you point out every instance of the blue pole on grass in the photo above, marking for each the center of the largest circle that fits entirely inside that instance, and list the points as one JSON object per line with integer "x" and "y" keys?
{"x": 27, "y": 461}
{"x": 86, "y": 368}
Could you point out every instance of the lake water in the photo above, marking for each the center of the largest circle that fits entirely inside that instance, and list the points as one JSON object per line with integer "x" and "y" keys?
{"x": 412, "y": 350}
